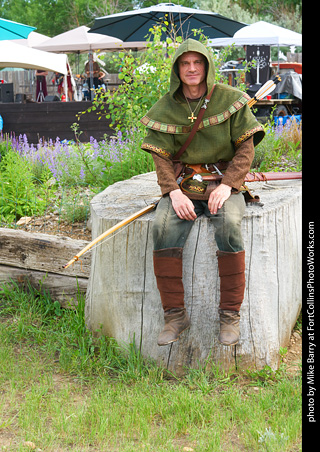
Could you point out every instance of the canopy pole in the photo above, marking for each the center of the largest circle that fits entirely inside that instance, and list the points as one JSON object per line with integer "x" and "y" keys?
{"x": 91, "y": 75}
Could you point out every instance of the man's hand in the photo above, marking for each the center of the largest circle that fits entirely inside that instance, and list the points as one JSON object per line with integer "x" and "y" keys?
{"x": 182, "y": 205}
{"x": 218, "y": 197}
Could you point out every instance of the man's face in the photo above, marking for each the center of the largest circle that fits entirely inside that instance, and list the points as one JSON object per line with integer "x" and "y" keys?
{"x": 192, "y": 68}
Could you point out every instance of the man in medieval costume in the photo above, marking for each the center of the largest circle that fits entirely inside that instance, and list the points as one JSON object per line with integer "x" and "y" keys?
{"x": 224, "y": 143}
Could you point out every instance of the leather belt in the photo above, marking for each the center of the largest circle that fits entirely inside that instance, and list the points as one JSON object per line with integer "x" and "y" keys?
{"x": 222, "y": 166}
{"x": 206, "y": 171}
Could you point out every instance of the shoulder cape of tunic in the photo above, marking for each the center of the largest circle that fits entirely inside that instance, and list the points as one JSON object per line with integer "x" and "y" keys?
{"x": 227, "y": 122}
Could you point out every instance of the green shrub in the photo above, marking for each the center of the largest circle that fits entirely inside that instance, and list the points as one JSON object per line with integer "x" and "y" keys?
{"x": 20, "y": 193}
{"x": 5, "y": 145}
{"x": 75, "y": 206}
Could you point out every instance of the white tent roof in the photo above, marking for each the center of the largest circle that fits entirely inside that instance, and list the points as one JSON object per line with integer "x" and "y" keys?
{"x": 260, "y": 33}
{"x": 79, "y": 40}
{"x": 16, "y": 55}
{"x": 32, "y": 40}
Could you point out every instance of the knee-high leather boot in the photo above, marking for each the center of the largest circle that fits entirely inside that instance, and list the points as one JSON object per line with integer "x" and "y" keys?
{"x": 232, "y": 286}
{"x": 168, "y": 271}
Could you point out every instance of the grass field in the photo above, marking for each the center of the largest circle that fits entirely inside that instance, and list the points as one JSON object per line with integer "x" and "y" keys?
{"x": 63, "y": 390}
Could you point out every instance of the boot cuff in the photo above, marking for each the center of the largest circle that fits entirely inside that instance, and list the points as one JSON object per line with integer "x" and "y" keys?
{"x": 169, "y": 252}
{"x": 231, "y": 263}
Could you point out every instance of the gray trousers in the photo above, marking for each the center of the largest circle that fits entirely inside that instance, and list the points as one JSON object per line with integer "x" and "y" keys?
{"x": 169, "y": 231}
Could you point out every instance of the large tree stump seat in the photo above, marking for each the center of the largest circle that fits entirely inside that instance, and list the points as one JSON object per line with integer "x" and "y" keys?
{"x": 122, "y": 297}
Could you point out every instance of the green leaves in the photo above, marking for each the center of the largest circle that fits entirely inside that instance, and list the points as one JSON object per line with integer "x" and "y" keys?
{"x": 20, "y": 194}
{"x": 145, "y": 80}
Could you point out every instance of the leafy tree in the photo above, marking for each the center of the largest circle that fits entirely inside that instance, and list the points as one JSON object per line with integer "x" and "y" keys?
{"x": 265, "y": 6}
{"x": 48, "y": 16}
{"x": 229, "y": 9}
{"x": 106, "y": 7}
{"x": 284, "y": 13}
{"x": 52, "y": 17}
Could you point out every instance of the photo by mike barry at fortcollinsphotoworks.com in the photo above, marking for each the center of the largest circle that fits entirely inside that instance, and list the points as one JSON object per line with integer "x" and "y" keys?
{"x": 310, "y": 344}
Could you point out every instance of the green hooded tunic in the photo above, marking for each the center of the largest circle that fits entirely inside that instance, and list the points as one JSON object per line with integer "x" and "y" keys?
{"x": 227, "y": 122}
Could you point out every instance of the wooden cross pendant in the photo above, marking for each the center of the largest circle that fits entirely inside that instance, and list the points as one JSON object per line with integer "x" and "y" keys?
{"x": 192, "y": 117}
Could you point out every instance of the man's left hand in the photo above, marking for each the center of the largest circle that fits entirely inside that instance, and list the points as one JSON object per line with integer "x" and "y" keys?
{"x": 218, "y": 197}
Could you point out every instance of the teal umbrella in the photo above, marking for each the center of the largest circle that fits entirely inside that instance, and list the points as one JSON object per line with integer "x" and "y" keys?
{"x": 14, "y": 30}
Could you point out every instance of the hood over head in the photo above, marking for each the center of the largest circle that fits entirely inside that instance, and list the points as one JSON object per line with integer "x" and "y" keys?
{"x": 191, "y": 45}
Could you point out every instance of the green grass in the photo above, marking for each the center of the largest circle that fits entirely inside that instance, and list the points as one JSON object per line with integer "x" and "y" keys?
{"x": 64, "y": 390}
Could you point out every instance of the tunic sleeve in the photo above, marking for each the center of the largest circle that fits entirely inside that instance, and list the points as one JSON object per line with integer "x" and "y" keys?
{"x": 245, "y": 125}
{"x": 159, "y": 143}
{"x": 165, "y": 174}
{"x": 240, "y": 165}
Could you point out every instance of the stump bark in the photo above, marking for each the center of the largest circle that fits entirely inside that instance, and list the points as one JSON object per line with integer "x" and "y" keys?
{"x": 122, "y": 297}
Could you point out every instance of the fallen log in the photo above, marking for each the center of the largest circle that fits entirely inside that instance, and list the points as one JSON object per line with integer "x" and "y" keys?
{"x": 38, "y": 258}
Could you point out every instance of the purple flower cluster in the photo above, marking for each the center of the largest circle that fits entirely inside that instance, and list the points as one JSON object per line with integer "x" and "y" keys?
{"x": 70, "y": 162}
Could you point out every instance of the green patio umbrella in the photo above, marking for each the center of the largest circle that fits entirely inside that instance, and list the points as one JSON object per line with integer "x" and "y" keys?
{"x": 134, "y": 25}
{"x": 14, "y": 30}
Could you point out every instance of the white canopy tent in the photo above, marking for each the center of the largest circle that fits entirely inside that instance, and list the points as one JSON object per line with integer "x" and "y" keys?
{"x": 79, "y": 40}
{"x": 260, "y": 33}
{"x": 16, "y": 55}
{"x": 21, "y": 56}
{"x": 76, "y": 40}
{"x": 32, "y": 40}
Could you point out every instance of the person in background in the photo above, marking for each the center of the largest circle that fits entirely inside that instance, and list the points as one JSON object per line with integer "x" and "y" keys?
{"x": 59, "y": 81}
{"x": 103, "y": 79}
{"x": 69, "y": 84}
{"x": 92, "y": 70}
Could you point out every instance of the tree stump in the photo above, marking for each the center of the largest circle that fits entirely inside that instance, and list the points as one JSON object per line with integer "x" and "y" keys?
{"x": 122, "y": 297}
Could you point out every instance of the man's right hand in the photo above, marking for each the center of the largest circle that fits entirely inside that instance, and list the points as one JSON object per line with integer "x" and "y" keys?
{"x": 182, "y": 205}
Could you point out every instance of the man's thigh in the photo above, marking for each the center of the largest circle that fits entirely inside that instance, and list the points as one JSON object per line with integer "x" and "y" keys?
{"x": 169, "y": 231}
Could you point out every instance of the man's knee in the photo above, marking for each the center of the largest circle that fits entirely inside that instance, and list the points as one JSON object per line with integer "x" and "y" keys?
{"x": 228, "y": 227}
{"x": 168, "y": 230}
